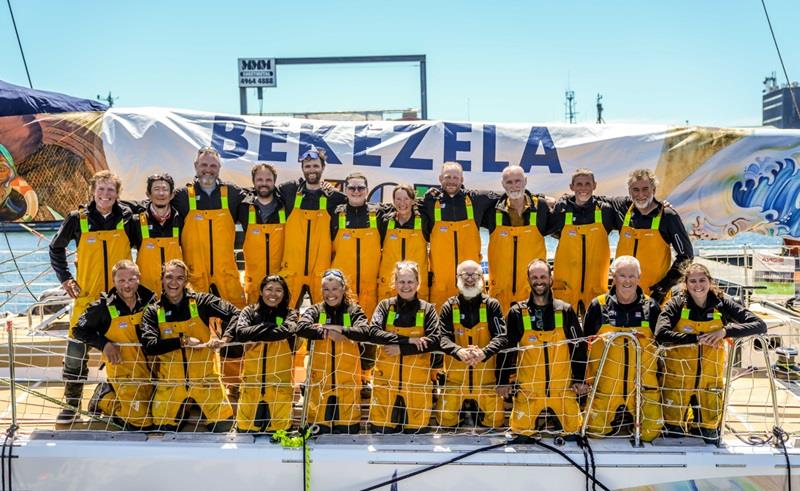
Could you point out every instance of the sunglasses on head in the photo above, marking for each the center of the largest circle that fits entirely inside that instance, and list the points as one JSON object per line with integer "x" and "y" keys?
{"x": 309, "y": 154}
{"x": 333, "y": 273}
{"x": 207, "y": 149}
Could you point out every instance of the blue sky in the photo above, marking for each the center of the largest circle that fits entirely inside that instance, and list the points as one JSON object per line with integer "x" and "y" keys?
{"x": 654, "y": 62}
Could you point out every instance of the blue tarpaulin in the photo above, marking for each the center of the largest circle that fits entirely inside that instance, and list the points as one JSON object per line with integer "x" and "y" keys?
{"x": 18, "y": 101}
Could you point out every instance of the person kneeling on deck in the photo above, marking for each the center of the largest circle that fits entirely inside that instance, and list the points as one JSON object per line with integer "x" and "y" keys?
{"x": 107, "y": 323}
{"x": 548, "y": 367}
{"x": 693, "y": 326}
{"x": 615, "y": 318}
{"x": 473, "y": 331}
{"x": 265, "y": 400}
{"x": 409, "y": 329}
{"x": 177, "y": 330}
{"x": 335, "y": 326}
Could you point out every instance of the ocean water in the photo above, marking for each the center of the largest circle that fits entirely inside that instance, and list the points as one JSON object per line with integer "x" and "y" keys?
{"x": 23, "y": 282}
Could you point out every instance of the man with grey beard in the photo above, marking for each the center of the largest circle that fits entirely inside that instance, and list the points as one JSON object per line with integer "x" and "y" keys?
{"x": 650, "y": 231}
{"x": 473, "y": 331}
{"x": 517, "y": 228}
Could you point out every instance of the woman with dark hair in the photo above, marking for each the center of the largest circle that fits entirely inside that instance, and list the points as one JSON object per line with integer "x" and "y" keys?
{"x": 404, "y": 237}
{"x": 694, "y": 325}
{"x": 268, "y": 327}
{"x": 334, "y": 326}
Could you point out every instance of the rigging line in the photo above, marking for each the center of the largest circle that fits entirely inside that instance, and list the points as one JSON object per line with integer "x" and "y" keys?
{"x": 19, "y": 42}
{"x": 783, "y": 66}
{"x": 10, "y": 251}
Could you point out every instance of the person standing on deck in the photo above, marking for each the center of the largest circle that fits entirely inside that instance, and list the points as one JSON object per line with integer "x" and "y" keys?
{"x": 309, "y": 206}
{"x": 582, "y": 223}
{"x": 161, "y": 226}
{"x": 263, "y": 218}
{"x": 105, "y": 232}
{"x": 209, "y": 207}
{"x": 647, "y": 231}
{"x": 404, "y": 237}
{"x": 517, "y": 228}
{"x": 454, "y": 214}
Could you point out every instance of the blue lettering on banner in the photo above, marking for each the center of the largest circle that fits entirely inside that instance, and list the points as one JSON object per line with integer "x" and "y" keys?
{"x": 270, "y": 136}
{"x": 404, "y": 159}
{"x": 452, "y": 144}
{"x": 362, "y": 142}
{"x": 310, "y": 136}
{"x": 540, "y": 136}
{"x": 229, "y": 129}
{"x": 490, "y": 150}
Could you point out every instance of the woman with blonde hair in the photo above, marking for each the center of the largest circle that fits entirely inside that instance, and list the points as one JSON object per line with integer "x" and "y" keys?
{"x": 693, "y": 327}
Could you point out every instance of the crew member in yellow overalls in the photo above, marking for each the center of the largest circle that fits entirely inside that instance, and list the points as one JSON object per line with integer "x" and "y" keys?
{"x": 408, "y": 329}
{"x": 105, "y": 231}
{"x": 307, "y": 233}
{"x": 209, "y": 207}
{"x": 692, "y": 328}
{"x": 516, "y": 230}
{"x": 473, "y": 331}
{"x": 333, "y": 328}
{"x": 454, "y": 215}
{"x": 647, "y": 229}
{"x": 176, "y": 330}
{"x": 107, "y": 323}
{"x": 161, "y": 226}
{"x": 265, "y": 401}
{"x": 624, "y": 309}
{"x": 263, "y": 218}
{"x": 404, "y": 237}
{"x": 548, "y": 368}
{"x": 582, "y": 224}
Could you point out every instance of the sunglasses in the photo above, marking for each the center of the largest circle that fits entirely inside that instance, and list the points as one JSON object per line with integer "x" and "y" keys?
{"x": 309, "y": 154}
{"x": 207, "y": 149}
{"x": 333, "y": 273}
{"x": 356, "y": 188}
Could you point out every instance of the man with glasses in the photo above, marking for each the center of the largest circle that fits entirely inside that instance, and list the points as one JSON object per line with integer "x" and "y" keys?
{"x": 210, "y": 207}
{"x": 454, "y": 214}
{"x": 161, "y": 226}
{"x": 473, "y": 331}
{"x": 309, "y": 205}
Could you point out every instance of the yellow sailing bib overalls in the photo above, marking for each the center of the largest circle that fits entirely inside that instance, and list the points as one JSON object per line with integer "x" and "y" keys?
{"x": 694, "y": 371}
{"x": 402, "y": 381}
{"x": 265, "y": 402}
{"x": 580, "y": 270}
{"x": 130, "y": 379}
{"x": 98, "y": 252}
{"x": 263, "y": 252}
{"x": 307, "y": 250}
{"x": 544, "y": 378}
{"x": 208, "y": 237}
{"x": 452, "y": 242}
{"x": 617, "y": 387}
{"x": 334, "y": 396}
{"x": 471, "y": 383}
{"x": 153, "y": 253}
{"x": 402, "y": 244}
{"x": 510, "y": 251}
{"x": 188, "y": 373}
{"x": 646, "y": 245}
{"x": 356, "y": 252}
